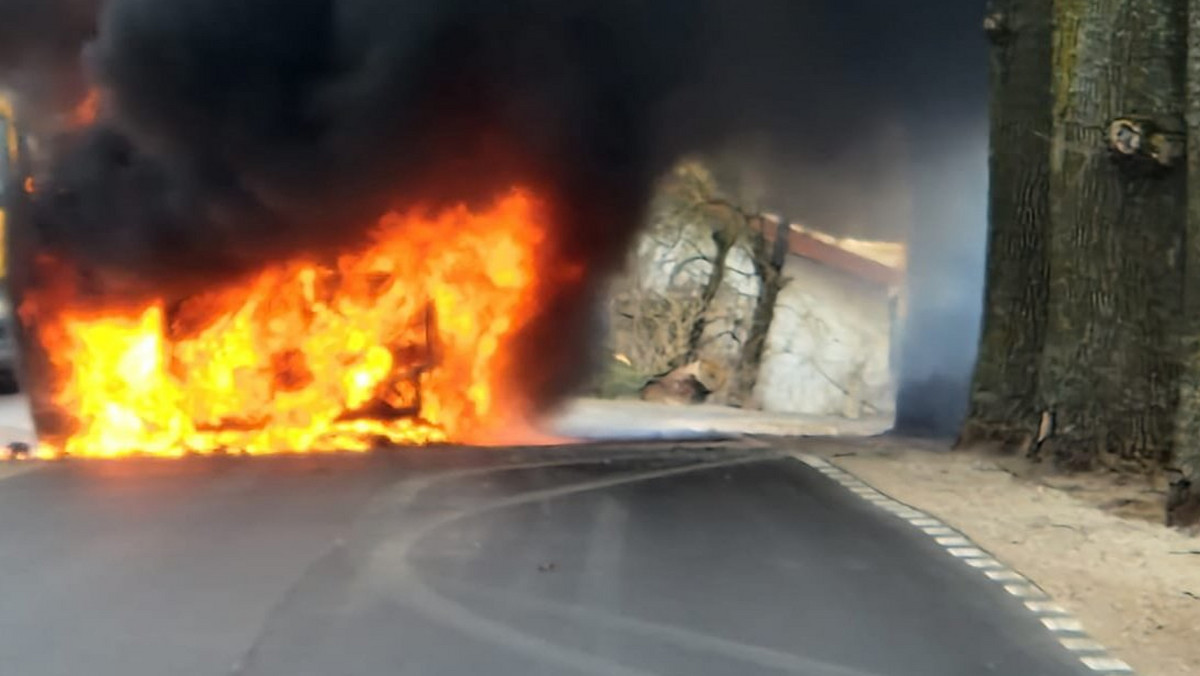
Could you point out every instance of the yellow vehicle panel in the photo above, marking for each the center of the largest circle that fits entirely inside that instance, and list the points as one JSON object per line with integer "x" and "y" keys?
{"x": 10, "y": 157}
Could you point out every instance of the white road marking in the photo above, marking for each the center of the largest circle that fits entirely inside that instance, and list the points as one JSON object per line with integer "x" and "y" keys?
{"x": 939, "y": 530}
{"x": 1024, "y": 591}
{"x": 1063, "y": 624}
{"x": 984, "y": 564}
{"x": 447, "y": 612}
{"x": 1080, "y": 645}
{"x": 1006, "y": 576}
{"x": 1045, "y": 608}
{"x": 1108, "y": 664}
{"x": 1058, "y": 620}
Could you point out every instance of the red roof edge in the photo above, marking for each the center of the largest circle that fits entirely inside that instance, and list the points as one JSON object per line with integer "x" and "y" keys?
{"x": 807, "y": 246}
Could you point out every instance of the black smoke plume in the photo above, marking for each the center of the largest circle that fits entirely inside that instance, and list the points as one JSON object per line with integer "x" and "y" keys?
{"x": 241, "y": 130}
{"x": 39, "y": 48}
{"x": 234, "y": 132}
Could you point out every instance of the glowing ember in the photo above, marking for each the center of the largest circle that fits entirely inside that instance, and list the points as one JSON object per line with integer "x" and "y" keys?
{"x": 85, "y": 113}
{"x": 406, "y": 341}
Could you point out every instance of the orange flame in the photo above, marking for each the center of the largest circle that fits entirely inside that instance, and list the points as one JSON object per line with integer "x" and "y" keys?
{"x": 86, "y": 111}
{"x": 408, "y": 341}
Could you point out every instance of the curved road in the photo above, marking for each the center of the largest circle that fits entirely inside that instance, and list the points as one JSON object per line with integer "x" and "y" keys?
{"x": 691, "y": 559}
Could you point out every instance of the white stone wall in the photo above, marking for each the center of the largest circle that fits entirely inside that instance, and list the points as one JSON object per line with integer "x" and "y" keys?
{"x": 828, "y": 349}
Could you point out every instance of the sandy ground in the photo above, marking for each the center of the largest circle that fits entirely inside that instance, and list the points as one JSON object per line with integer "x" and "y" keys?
{"x": 1089, "y": 542}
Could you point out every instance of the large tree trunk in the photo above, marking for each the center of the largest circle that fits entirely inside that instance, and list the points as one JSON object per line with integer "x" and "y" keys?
{"x": 1109, "y": 372}
{"x": 723, "y": 241}
{"x": 1003, "y": 393}
{"x": 1184, "y": 501}
{"x": 770, "y": 255}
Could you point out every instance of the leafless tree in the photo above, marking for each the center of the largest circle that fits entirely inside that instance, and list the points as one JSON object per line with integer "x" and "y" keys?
{"x": 676, "y": 319}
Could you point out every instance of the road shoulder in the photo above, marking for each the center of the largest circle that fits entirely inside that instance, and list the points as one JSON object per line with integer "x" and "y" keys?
{"x": 1134, "y": 584}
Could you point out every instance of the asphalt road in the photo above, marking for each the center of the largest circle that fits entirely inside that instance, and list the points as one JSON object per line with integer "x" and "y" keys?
{"x": 623, "y": 560}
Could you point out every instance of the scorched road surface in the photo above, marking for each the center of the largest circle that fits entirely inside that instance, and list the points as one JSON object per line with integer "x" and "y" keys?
{"x": 646, "y": 559}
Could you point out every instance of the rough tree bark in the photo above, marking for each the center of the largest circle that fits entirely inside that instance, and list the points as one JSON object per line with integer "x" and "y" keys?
{"x": 1003, "y": 393}
{"x": 723, "y": 240}
{"x": 1183, "y": 504}
{"x": 769, "y": 256}
{"x": 1109, "y": 370}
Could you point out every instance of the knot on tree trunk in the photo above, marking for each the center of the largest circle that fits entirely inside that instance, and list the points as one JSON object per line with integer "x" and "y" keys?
{"x": 1144, "y": 145}
{"x": 995, "y": 27}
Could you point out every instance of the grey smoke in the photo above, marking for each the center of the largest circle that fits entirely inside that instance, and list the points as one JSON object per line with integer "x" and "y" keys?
{"x": 945, "y": 283}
